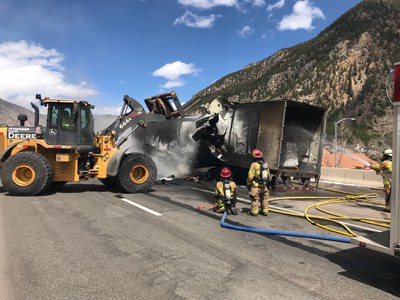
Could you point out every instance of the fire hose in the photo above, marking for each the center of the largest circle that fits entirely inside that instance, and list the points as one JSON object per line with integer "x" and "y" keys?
{"x": 333, "y": 217}
{"x": 283, "y": 233}
{"x": 311, "y": 218}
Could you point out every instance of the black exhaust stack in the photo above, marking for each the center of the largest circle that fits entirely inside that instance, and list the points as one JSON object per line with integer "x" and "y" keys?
{"x": 36, "y": 114}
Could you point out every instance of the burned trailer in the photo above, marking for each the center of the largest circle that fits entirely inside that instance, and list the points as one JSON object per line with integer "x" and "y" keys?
{"x": 290, "y": 134}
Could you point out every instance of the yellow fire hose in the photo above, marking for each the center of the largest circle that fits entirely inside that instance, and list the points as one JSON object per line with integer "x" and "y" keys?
{"x": 334, "y": 217}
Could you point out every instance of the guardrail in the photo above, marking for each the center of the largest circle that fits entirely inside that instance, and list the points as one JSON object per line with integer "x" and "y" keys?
{"x": 366, "y": 178}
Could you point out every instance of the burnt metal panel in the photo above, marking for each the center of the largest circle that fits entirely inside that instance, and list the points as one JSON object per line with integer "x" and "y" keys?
{"x": 290, "y": 134}
{"x": 272, "y": 118}
{"x": 243, "y": 132}
{"x": 302, "y": 138}
{"x": 161, "y": 135}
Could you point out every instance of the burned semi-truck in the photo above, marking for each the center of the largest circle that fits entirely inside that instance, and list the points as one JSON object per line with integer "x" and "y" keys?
{"x": 290, "y": 134}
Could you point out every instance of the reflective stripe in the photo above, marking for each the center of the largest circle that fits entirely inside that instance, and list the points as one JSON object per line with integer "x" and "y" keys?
{"x": 220, "y": 202}
{"x": 254, "y": 211}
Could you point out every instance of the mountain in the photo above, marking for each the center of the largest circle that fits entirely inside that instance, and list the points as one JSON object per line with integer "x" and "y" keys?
{"x": 9, "y": 114}
{"x": 344, "y": 69}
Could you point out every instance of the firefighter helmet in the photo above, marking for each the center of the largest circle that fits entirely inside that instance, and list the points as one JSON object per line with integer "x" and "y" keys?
{"x": 225, "y": 173}
{"x": 257, "y": 153}
{"x": 388, "y": 152}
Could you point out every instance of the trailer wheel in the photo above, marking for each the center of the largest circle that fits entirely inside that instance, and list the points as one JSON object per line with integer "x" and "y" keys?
{"x": 212, "y": 174}
{"x": 26, "y": 174}
{"x": 305, "y": 181}
{"x": 137, "y": 173}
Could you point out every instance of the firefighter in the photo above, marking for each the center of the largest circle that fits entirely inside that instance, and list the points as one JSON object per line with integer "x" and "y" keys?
{"x": 67, "y": 122}
{"x": 257, "y": 184}
{"x": 386, "y": 168}
{"x": 225, "y": 193}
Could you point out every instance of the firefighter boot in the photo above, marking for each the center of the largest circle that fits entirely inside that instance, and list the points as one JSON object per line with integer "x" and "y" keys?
{"x": 387, "y": 204}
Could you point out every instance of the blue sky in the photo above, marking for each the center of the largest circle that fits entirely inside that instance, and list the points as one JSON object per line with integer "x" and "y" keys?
{"x": 100, "y": 50}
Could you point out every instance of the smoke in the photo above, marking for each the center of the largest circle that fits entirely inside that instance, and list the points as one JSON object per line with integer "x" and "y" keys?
{"x": 179, "y": 156}
{"x": 103, "y": 121}
{"x": 238, "y": 132}
{"x": 291, "y": 157}
{"x": 298, "y": 146}
{"x": 175, "y": 157}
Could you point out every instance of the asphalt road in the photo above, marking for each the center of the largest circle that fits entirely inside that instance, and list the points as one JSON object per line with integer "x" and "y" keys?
{"x": 87, "y": 242}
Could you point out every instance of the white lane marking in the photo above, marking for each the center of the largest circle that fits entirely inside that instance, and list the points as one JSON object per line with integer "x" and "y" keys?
{"x": 288, "y": 210}
{"x": 141, "y": 207}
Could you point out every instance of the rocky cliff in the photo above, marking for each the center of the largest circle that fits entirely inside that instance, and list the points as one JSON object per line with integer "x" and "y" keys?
{"x": 345, "y": 68}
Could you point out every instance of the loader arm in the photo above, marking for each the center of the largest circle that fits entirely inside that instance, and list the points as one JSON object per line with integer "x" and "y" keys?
{"x": 128, "y": 117}
{"x": 132, "y": 115}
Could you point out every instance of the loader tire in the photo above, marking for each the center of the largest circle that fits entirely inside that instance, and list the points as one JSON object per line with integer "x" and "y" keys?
{"x": 137, "y": 173}
{"x": 26, "y": 174}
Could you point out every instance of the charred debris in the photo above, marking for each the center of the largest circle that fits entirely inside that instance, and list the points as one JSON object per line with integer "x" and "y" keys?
{"x": 289, "y": 133}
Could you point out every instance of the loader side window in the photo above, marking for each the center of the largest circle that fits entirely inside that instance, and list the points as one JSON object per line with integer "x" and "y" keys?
{"x": 51, "y": 133}
{"x": 87, "y": 126}
{"x": 53, "y": 116}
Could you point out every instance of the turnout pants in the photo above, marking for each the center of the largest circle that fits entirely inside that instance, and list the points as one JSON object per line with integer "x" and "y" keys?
{"x": 387, "y": 189}
{"x": 219, "y": 206}
{"x": 259, "y": 195}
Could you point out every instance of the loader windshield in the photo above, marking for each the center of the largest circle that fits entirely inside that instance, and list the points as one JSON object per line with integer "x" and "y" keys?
{"x": 67, "y": 119}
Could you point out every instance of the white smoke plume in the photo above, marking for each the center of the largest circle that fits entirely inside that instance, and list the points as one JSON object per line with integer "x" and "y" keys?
{"x": 175, "y": 158}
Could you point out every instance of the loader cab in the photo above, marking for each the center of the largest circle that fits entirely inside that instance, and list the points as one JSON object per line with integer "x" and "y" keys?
{"x": 69, "y": 122}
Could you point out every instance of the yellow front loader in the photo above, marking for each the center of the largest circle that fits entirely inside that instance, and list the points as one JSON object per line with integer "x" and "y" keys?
{"x": 32, "y": 159}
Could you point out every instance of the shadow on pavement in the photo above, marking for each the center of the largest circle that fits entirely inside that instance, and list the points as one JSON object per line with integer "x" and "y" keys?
{"x": 71, "y": 188}
{"x": 376, "y": 269}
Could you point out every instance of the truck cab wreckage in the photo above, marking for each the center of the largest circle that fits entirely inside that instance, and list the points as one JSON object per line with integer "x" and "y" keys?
{"x": 289, "y": 133}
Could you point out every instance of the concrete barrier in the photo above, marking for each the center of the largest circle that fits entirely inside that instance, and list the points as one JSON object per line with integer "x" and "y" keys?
{"x": 367, "y": 178}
